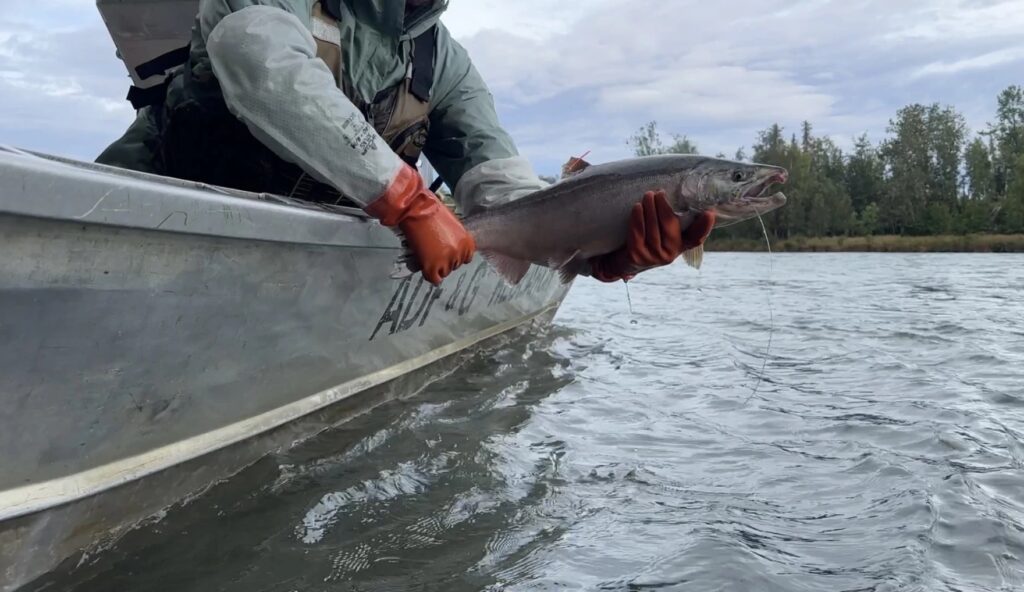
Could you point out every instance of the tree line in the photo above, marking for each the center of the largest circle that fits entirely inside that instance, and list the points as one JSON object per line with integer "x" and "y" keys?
{"x": 928, "y": 176}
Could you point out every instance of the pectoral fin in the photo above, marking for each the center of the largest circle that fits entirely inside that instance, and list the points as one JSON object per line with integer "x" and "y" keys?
{"x": 694, "y": 257}
{"x": 568, "y": 266}
{"x": 511, "y": 269}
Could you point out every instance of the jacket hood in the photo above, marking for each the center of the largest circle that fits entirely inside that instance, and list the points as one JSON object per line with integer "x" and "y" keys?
{"x": 388, "y": 16}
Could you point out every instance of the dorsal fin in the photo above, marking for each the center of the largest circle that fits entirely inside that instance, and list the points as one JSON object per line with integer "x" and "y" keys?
{"x": 575, "y": 165}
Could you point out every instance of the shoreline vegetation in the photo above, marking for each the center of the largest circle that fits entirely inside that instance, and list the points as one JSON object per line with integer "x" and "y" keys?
{"x": 929, "y": 184}
{"x": 945, "y": 243}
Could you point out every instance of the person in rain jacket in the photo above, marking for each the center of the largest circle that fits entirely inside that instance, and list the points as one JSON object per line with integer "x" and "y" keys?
{"x": 336, "y": 100}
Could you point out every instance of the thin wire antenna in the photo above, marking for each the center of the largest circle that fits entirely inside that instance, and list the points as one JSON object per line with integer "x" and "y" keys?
{"x": 578, "y": 159}
{"x": 771, "y": 311}
{"x": 574, "y": 164}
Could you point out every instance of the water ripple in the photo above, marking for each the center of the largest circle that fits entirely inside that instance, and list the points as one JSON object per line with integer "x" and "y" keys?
{"x": 883, "y": 451}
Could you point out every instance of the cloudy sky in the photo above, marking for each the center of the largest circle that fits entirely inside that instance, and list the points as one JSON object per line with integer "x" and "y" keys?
{"x": 575, "y": 76}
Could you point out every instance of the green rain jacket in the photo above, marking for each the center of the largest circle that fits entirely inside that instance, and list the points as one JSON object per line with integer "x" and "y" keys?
{"x": 261, "y": 56}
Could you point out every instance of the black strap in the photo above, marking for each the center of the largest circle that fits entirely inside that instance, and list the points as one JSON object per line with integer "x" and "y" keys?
{"x": 163, "y": 63}
{"x": 438, "y": 182}
{"x": 144, "y": 97}
{"x": 333, "y": 8}
{"x": 423, "y": 64}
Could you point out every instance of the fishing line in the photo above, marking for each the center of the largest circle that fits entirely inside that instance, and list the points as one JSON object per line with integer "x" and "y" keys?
{"x": 771, "y": 311}
{"x": 629, "y": 301}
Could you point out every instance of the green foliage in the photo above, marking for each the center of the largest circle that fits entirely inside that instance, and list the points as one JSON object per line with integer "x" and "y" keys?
{"x": 925, "y": 178}
{"x": 1011, "y": 214}
{"x": 980, "y": 173}
{"x": 865, "y": 176}
{"x": 922, "y": 158}
{"x": 976, "y": 215}
{"x": 1008, "y": 137}
{"x": 647, "y": 141}
{"x": 937, "y": 219}
{"x": 866, "y": 222}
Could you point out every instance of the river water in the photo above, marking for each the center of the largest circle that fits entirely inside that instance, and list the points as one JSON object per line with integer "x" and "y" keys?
{"x": 882, "y": 450}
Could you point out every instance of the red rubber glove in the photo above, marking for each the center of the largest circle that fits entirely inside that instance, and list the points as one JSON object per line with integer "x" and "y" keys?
{"x": 436, "y": 237}
{"x": 654, "y": 239}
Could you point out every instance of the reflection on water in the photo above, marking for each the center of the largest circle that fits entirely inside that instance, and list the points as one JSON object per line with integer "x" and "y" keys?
{"x": 882, "y": 451}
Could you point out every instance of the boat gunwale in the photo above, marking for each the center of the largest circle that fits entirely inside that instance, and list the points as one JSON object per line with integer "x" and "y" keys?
{"x": 54, "y": 188}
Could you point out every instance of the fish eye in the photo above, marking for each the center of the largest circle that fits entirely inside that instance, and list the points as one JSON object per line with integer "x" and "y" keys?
{"x": 737, "y": 177}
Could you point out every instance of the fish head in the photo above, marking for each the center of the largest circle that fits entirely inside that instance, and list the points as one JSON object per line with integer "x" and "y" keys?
{"x": 734, "y": 191}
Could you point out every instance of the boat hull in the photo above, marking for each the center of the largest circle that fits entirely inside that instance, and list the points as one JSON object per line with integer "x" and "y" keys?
{"x": 159, "y": 336}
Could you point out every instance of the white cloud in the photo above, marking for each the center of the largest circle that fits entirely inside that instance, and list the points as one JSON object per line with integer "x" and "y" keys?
{"x": 571, "y": 76}
{"x": 941, "y": 20}
{"x": 984, "y": 61}
{"x": 719, "y": 71}
{"x": 719, "y": 93}
{"x": 61, "y": 89}
{"x": 535, "y": 19}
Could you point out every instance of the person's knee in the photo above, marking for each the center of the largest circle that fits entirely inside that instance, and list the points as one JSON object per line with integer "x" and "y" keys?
{"x": 134, "y": 150}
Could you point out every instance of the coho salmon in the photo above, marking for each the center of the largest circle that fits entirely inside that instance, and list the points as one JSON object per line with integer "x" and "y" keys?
{"x": 587, "y": 212}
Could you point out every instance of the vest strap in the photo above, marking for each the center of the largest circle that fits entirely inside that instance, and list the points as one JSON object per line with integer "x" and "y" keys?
{"x": 423, "y": 64}
{"x": 163, "y": 63}
{"x": 144, "y": 97}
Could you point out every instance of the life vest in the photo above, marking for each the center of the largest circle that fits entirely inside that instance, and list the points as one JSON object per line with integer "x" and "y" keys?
{"x": 203, "y": 142}
{"x": 400, "y": 114}
{"x": 152, "y": 39}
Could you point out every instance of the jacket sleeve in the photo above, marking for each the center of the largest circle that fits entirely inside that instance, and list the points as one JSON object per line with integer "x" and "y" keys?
{"x": 264, "y": 59}
{"x": 467, "y": 145}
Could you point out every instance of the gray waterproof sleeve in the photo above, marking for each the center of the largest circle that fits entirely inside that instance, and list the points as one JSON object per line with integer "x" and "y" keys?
{"x": 467, "y": 144}
{"x": 265, "y": 61}
{"x": 494, "y": 182}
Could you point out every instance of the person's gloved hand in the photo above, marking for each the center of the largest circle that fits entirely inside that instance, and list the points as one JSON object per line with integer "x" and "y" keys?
{"x": 654, "y": 239}
{"x": 436, "y": 237}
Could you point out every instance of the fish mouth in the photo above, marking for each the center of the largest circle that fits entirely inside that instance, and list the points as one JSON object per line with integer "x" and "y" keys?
{"x": 754, "y": 200}
{"x": 759, "y": 188}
